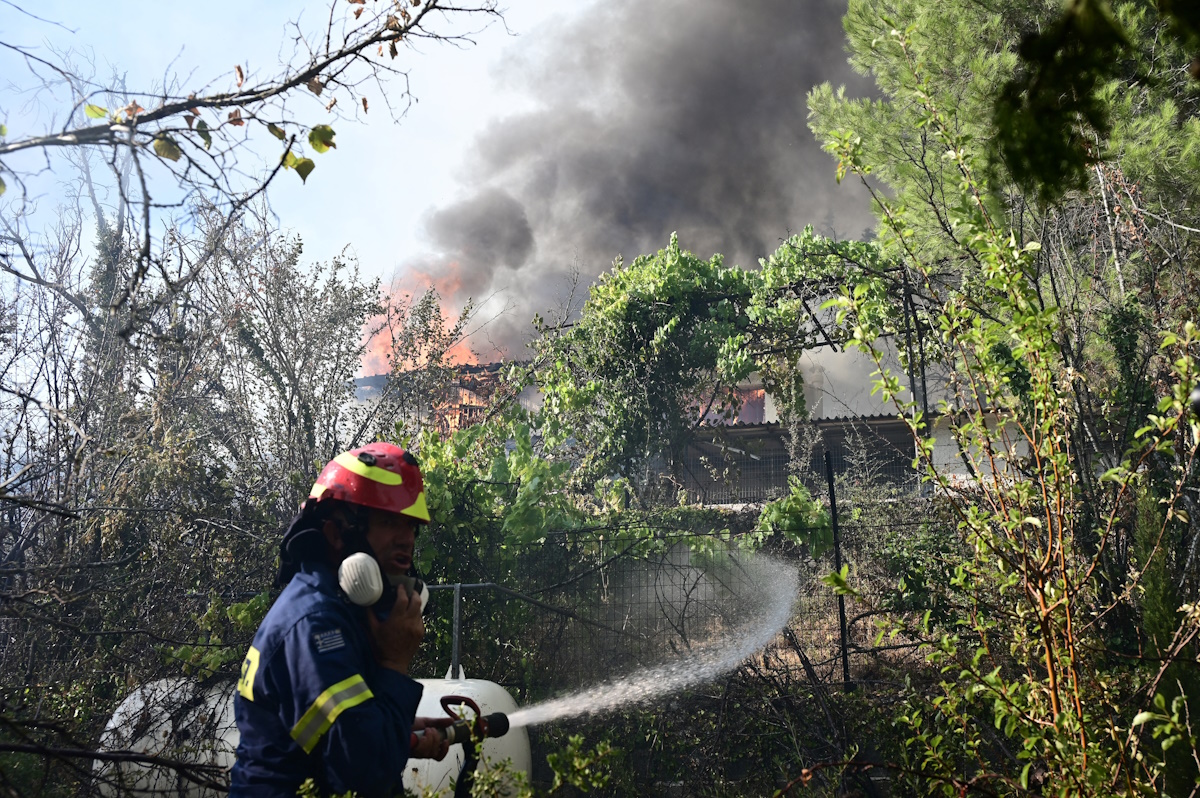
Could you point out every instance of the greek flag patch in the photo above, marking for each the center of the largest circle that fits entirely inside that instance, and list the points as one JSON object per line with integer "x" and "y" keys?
{"x": 328, "y": 641}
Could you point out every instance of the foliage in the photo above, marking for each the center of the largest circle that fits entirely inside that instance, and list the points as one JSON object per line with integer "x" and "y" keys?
{"x": 210, "y": 655}
{"x": 1161, "y": 602}
{"x": 299, "y": 331}
{"x": 579, "y": 768}
{"x": 662, "y": 343}
{"x": 782, "y": 310}
{"x": 423, "y": 379}
{"x": 1054, "y": 110}
{"x": 1050, "y": 113}
{"x": 149, "y": 486}
{"x": 163, "y": 442}
{"x": 921, "y": 565}
{"x": 505, "y": 512}
{"x": 1024, "y": 619}
{"x": 1025, "y": 671}
{"x": 480, "y": 486}
{"x": 798, "y": 518}
{"x": 642, "y": 367}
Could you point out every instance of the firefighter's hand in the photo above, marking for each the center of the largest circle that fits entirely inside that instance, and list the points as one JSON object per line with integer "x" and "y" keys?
{"x": 396, "y": 640}
{"x": 430, "y": 745}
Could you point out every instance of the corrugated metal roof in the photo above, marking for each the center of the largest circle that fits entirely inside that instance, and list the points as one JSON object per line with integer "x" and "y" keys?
{"x": 877, "y": 418}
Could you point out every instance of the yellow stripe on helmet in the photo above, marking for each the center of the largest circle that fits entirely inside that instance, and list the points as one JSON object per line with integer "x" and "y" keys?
{"x": 418, "y": 509}
{"x": 374, "y": 473}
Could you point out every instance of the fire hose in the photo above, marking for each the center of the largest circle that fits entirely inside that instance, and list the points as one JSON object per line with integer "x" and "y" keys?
{"x": 470, "y": 732}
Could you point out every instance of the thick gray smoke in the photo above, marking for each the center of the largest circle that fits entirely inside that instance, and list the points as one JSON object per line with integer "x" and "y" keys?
{"x": 673, "y": 115}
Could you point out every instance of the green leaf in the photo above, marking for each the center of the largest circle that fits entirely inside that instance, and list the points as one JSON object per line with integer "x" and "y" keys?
{"x": 165, "y": 147}
{"x": 2, "y": 187}
{"x": 95, "y": 111}
{"x": 1143, "y": 717}
{"x": 205, "y": 136}
{"x": 321, "y": 138}
{"x": 277, "y": 132}
{"x": 1113, "y": 474}
{"x": 840, "y": 582}
{"x": 304, "y": 167}
{"x": 3, "y": 131}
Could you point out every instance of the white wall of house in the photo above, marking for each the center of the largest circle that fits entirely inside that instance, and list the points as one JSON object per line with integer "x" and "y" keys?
{"x": 946, "y": 451}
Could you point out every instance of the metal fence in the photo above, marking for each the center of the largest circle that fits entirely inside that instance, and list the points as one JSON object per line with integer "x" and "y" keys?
{"x": 603, "y": 612}
{"x": 598, "y": 609}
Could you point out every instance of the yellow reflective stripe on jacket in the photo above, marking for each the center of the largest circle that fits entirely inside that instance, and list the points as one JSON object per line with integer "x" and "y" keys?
{"x": 381, "y": 475}
{"x": 325, "y": 710}
{"x": 249, "y": 670}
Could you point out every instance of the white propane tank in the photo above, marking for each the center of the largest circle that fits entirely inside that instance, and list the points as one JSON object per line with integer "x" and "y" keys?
{"x": 431, "y": 775}
{"x": 173, "y": 718}
{"x": 178, "y": 719}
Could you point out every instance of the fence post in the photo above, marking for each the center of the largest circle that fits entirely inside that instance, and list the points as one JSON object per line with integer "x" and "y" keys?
{"x": 454, "y": 660}
{"x": 837, "y": 564}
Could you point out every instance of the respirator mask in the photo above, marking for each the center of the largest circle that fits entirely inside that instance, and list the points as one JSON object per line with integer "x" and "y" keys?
{"x": 364, "y": 584}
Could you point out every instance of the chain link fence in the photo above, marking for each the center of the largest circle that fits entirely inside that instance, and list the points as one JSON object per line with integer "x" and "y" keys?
{"x": 604, "y": 612}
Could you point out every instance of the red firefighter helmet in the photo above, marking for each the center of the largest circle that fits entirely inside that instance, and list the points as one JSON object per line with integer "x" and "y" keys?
{"x": 379, "y": 475}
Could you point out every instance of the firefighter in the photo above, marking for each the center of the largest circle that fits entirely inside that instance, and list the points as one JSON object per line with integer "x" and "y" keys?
{"x": 324, "y": 691}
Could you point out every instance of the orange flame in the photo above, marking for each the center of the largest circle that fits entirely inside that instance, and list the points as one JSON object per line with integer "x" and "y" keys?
{"x": 414, "y": 283}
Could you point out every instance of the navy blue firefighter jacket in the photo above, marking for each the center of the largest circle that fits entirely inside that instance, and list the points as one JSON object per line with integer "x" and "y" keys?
{"x": 313, "y": 703}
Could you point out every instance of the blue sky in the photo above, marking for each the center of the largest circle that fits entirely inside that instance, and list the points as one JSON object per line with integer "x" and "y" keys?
{"x": 394, "y": 173}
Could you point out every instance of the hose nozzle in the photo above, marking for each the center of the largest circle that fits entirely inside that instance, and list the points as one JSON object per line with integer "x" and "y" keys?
{"x": 493, "y": 725}
{"x": 464, "y": 730}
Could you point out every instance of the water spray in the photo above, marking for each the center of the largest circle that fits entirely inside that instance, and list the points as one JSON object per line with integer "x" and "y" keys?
{"x": 778, "y": 586}
{"x": 704, "y": 664}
